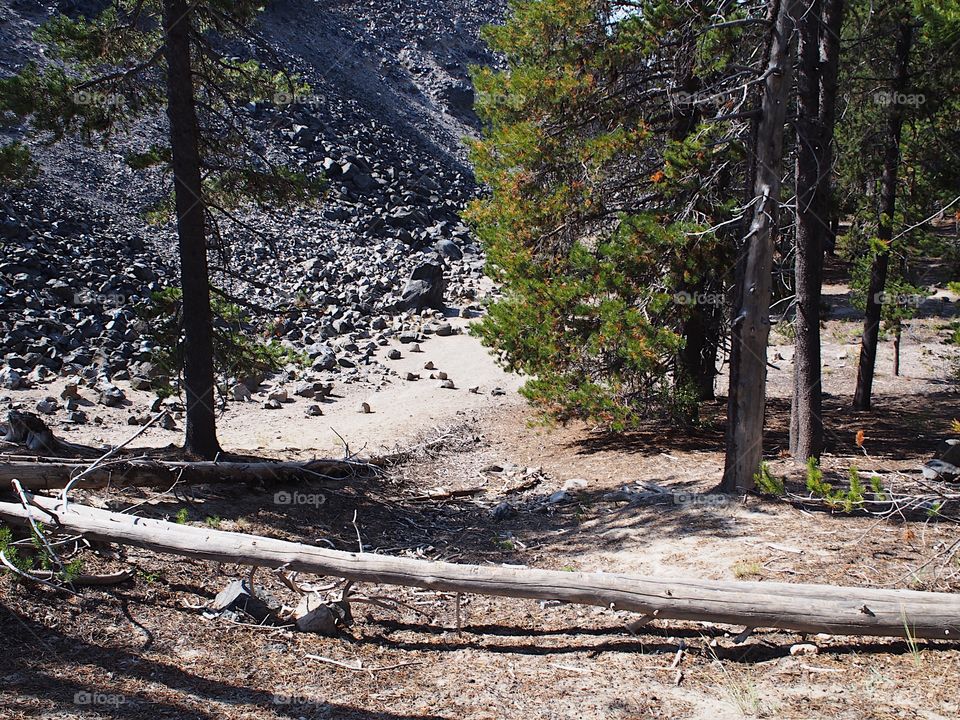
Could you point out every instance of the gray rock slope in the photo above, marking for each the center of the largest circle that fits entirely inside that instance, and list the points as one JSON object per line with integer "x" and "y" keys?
{"x": 389, "y": 106}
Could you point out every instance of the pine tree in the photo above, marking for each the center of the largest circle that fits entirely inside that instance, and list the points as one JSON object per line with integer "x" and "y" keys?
{"x": 819, "y": 24}
{"x": 134, "y": 59}
{"x": 614, "y": 151}
{"x": 899, "y": 152}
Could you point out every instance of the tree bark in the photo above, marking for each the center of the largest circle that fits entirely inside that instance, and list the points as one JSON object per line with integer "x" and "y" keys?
{"x": 803, "y": 608}
{"x": 888, "y": 202}
{"x": 818, "y": 23}
{"x": 697, "y": 366}
{"x": 698, "y": 358}
{"x": 751, "y": 320}
{"x": 896, "y": 352}
{"x": 198, "y": 377}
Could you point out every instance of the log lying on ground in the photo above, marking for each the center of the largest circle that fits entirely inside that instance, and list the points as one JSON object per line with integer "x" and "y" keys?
{"x": 803, "y": 608}
{"x": 155, "y": 473}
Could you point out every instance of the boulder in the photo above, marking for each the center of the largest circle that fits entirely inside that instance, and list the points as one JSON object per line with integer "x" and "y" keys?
{"x": 111, "y": 396}
{"x": 424, "y": 289}
{"x": 238, "y": 598}
{"x": 449, "y": 249}
{"x": 48, "y": 406}
{"x": 322, "y": 356}
{"x": 946, "y": 466}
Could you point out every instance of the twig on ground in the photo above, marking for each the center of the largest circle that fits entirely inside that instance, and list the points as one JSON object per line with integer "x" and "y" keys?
{"x": 359, "y": 540}
{"x": 459, "y": 626}
{"x": 99, "y": 461}
{"x": 14, "y": 569}
{"x": 359, "y": 666}
{"x": 81, "y": 580}
{"x": 950, "y": 551}
{"x": 25, "y": 501}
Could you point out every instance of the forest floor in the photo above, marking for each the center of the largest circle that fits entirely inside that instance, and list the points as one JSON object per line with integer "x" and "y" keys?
{"x": 145, "y": 650}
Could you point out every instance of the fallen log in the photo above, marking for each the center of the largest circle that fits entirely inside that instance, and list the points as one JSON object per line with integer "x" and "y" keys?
{"x": 157, "y": 473}
{"x": 803, "y": 608}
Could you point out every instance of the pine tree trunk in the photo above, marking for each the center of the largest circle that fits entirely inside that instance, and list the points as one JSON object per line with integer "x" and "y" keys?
{"x": 698, "y": 359}
{"x": 896, "y": 352}
{"x": 201, "y": 434}
{"x": 701, "y": 330}
{"x": 751, "y": 319}
{"x": 888, "y": 201}
{"x": 818, "y": 23}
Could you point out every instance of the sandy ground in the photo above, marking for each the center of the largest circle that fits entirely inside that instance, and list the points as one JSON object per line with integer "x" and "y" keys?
{"x": 402, "y": 410}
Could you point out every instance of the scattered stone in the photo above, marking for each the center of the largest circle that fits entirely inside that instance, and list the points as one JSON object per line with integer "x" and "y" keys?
{"x": 78, "y": 417}
{"x": 305, "y": 389}
{"x": 441, "y": 375}
{"x": 365, "y": 407}
{"x": 252, "y": 382}
{"x": 393, "y": 354}
{"x": 322, "y": 356}
{"x": 168, "y": 423}
{"x": 444, "y": 329}
{"x": 238, "y": 598}
{"x": 111, "y": 396}
{"x": 272, "y": 404}
{"x": 10, "y": 379}
{"x": 804, "y": 649}
{"x": 416, "y": 348}
{"x": 448, "y": 385}
{"x": 314, "y": 411}
{"x": 48, "y": 406}
{"x": 38, "y": 374}
{"x": 946, "y": 464}
{"x": 475, "y": 389}
{"x": 70, "y": 390}
{"x": 412, "y": 376}
{"x": 575, "y": 485}
{"x": 141, "y": 383}
{"x": 449, "y": 249}
{"x": 428, "y": 365}
{"x": 503, "y": 511}
{"x": 313, "y": 615}
{"x": 560, "y": 496}
{"x": 279, "y": 396}
{"x": 241, "y": 392}
{"x": 498, "y": 391}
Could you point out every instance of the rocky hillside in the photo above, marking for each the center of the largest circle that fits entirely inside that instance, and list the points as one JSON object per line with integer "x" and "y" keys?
{"x": 390, "y": 102}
